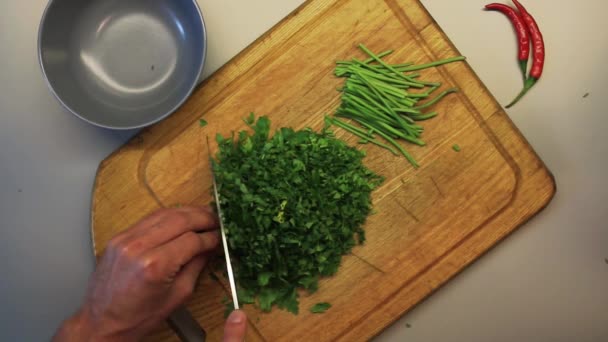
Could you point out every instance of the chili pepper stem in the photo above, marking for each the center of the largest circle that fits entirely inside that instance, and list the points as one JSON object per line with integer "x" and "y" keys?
{"x": 530, "y": 82}
{"x": 523, "y": 65}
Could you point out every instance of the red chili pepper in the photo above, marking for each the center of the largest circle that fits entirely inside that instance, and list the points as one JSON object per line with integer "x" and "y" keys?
{"x": 523, "y": 38}
{"x": 538, "y": 51}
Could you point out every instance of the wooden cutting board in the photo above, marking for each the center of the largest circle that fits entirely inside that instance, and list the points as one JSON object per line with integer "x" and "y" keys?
{"x": 430, "y": 223}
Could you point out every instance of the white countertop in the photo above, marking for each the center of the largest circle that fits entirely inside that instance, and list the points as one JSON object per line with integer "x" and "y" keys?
{"x": 546, "y": 282}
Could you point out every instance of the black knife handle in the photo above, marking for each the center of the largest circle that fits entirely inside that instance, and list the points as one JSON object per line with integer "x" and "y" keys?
{"x": 185, "y": 326}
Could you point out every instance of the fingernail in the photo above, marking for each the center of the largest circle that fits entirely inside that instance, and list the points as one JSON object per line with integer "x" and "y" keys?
{"x": 210, "y": 239}
{"x": 236, "y": 317}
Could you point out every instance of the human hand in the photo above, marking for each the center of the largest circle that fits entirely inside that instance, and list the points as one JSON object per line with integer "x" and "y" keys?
{"x": 144, "y": 274}
{"x": 236, "y": 327}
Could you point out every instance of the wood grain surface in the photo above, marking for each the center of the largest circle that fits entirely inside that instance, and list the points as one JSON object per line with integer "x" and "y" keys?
{"x": 431, "y": 222}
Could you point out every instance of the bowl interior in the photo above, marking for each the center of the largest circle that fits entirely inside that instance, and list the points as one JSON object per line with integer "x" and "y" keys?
{"x": 122, "y": 63}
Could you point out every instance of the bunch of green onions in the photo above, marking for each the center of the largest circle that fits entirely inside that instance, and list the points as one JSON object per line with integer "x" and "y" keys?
{"x": 379, "y": 98}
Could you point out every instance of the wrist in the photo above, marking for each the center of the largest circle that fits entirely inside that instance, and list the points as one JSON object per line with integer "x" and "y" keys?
{"x": 75, "y": 328}
{"x": 82, "y": 327}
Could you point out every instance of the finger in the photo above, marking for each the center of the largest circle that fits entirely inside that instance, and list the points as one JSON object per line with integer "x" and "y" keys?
{"x": 182, "y": 220}
{"x": 148, "y": 221}
{"x": 165, "y": 263}
{"x": 236, "y": 327}
{"x": 181, "y": 250}
{"x": 151, "y": 221}
{"x": 186, "y": 281}
{"x": 188, "y": 276}
{"x": 174, "y": 223}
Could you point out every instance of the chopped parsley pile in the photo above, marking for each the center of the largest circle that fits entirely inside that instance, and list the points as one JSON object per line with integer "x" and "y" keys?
{"x": 293, "y": 204}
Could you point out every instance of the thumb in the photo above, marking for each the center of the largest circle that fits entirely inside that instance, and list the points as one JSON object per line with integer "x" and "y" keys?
{"x": 236, "y": 327}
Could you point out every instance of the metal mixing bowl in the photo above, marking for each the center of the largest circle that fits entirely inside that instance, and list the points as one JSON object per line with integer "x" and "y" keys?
{"x": 122, "y": 64}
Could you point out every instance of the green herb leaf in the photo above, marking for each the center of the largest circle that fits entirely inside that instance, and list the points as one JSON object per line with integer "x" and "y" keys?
{"x": 267, "y": 297}
{"x": 202, "y": 123}
{"x": 289, "y": 301}
{"x": 320, "y": 307}
{"x": 245, "y": 296}
{"x": 456, "y": 148}
{"x": 264, "y": 278}
{"x": 310, "y": 283}
{"x": 250, "y": 119}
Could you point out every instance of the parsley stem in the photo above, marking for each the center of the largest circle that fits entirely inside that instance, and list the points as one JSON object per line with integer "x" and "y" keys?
{"x": 372, "y": 55}
{"x": 418, "y": 96}
{"x": 437, "y": 98}
{"x": 385, "y": 77}
{"x": 424, "y": 116}
{"x": 406, "y": 67}
{"x": 366, "y": 114}
{"x": 377, "y": 93}
{"x": 380, "y": 55}
{"x": 362, "y": 106}
{"x": 406, "y": 110}
{"x": 383, "y": 128}
{"x": 369, "y": 60}
{"x": 376, "y": 108}
{"x": 363, "y": 135}
{"x": 400, "y": 148}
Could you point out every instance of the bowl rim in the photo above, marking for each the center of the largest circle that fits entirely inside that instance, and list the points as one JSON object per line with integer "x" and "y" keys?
{"x": 181, "y": 102}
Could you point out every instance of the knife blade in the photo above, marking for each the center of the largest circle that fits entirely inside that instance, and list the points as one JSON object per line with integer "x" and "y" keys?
{"x": 223, "y": 233}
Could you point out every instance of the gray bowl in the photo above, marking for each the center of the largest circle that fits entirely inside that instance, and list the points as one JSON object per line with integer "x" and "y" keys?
{"x": 122, "y": 64}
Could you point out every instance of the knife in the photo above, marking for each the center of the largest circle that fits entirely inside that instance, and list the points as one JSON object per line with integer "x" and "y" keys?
{"x": 181, "y": 320}
{"x": 216, "y": 194}
{"x": 185, "y": 326}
